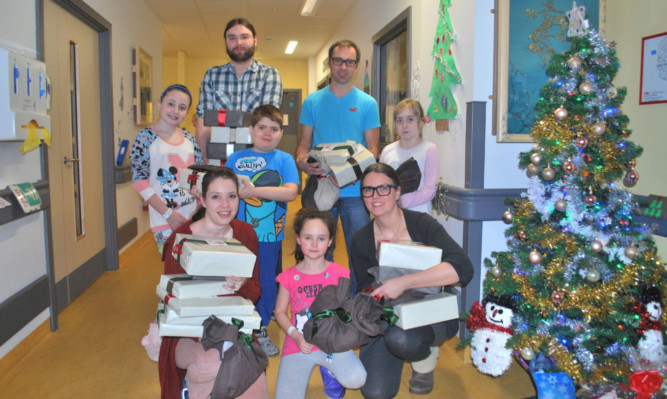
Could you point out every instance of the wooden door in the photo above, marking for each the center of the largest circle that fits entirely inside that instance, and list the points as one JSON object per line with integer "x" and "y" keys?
{"x": 75, "y": 159}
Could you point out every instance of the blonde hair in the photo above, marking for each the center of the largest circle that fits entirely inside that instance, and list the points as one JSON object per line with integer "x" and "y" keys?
{"x": 414, "y": 106}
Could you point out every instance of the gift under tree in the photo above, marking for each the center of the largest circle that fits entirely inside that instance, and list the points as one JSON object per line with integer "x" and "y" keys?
{"x": 581, "y": 280}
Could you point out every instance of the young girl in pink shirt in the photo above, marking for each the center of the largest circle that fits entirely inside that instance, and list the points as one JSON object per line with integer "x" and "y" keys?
{"x": 299, "y": 286}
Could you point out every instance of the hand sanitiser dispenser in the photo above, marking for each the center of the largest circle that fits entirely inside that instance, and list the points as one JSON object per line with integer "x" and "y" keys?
{"x": 24, "y": 96}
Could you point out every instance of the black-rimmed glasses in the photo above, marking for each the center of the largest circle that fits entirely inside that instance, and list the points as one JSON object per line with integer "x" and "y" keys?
{"x": 382, "y": 190}
{"x": 337, "y": 61}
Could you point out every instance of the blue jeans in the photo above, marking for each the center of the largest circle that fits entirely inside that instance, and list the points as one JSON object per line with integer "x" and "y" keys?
{"x": 268, "y": 256}
{"x": 353, "y": 216}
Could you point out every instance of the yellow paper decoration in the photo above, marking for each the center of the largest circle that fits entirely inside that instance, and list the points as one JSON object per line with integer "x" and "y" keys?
{"x": 32, "y": 140}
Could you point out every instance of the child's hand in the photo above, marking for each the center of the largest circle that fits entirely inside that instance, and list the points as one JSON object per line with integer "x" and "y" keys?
{"x": 304, "y": 346}
{"x": 233, "y": 284}
{"x": 176, "y": 220}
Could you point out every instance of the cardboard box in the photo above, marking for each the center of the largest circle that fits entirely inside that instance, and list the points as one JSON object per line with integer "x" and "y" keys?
{"x": 251, "y": 321}
{"x": 186, "y": 286}
{"x": 221, "y": 134}
{"x": 227, "y": 118}
{"x": 350, "y": 171}
{"x": 408, "y": 255}
{"x": 432, "y": 309}
{"x": 222, "y": 151}
{"x": 166, "y": 329}
{"x": 222, "y": 305}
{"x": 336, "y": 153}
{"x": 242, "y": 135}
{"x": 385, "y": 273}
{"x": 213, "y": 256}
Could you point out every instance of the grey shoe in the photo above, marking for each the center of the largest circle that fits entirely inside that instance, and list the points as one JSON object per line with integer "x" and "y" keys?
{"x": 267, "y": 346}
{"x": 421, "y": 383}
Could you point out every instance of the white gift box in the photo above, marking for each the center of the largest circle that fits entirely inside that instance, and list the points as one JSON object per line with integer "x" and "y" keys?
{"x": 221, "y": 134}
{"x": 251, "y": 321}
{"x": 351, "y": 170}
{"x": 217, "y": 305}
{"x": 189, "y": 178}
{"x": 336, "y": 153}
{"x": 408, "y": 255}
{"x": 429, "y": 310}
{"x": 212, "y": 256}
{"x": 166, "y": 329}
{"x": 242, "y": 135}
{"x": 186, "y": 286}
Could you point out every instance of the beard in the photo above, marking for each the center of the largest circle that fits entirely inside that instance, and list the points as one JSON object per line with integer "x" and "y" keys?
{"x": 245, "y": 56}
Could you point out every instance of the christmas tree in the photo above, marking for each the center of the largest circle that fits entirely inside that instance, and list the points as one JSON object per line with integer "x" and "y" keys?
{"x": 443, "y": 106}
{"x": 579, "y": 289}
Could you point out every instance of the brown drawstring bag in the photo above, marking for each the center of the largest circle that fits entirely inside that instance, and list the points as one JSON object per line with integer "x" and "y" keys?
{"x": 329, "y": 326}
{"x": 243, "y": 359}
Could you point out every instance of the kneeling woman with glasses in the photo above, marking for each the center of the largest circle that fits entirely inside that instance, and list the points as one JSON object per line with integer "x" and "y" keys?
{"x": 384, "y": 356}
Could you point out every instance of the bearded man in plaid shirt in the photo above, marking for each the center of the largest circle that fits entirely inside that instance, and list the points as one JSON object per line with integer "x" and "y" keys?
{"x": 240, "y": 85}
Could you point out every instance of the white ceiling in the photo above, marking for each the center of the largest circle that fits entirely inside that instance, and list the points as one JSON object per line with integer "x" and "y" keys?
{"x": 196, "y": 27}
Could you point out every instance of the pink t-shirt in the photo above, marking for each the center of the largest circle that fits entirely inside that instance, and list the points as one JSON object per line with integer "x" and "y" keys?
{"x": 303, "y": 289}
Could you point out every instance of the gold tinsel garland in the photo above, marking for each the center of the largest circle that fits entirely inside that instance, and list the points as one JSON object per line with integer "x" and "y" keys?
{"x": 596, "y": 300}
{"x": 569, "y": 129}
{"x": 568, "y": 363}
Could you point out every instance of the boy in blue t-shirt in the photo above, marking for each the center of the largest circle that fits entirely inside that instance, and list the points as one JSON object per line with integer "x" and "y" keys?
{"x": 264, "y": 205}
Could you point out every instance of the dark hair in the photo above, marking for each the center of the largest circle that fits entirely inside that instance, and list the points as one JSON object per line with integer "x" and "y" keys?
{"x": 221, "y": 172}
{"x": 180, "y": 88}
{"x": 385, "y": 170}
{"x": 239, "y": 21}
{"x": 267, "y": 111}
{"x": 344, "y": 43}
{"x": 310, "y": 213}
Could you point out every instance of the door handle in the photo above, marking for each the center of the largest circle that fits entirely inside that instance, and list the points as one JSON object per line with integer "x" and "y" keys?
{"x": 72, "y": 160}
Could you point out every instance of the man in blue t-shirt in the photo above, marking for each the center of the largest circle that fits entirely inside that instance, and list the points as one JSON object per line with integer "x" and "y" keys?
{"x": 337, "y": 113}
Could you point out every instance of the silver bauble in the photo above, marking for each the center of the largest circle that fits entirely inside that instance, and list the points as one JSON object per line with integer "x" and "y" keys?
{"x": 548, "y": 173}
{"x": 586, "y": 88}
{"x": 508, "y": 216}
{"x": 561, "y": 113}
{"x": 497, "y": 271}
{"x": 574, "y": 63}
{"x": 593, "y": 275}
{"x": 631, "y": 252}
{"x": 596, "y": 246}
{"x": 631, "y": 178}
{"x": 535, "y": 257}
{"x": 599, "y": 128}
{"x": 560, "y": 205}
{"x": 527, "y": 353}
{"x": 536, "y": 158}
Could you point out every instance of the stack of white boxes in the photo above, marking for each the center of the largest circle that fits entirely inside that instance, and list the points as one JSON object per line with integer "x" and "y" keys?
{"x": 347, "y": 160}
{"x": 189, "y": 299}
{"x": 401, "y": 257}
{"x": 230, "y": 132}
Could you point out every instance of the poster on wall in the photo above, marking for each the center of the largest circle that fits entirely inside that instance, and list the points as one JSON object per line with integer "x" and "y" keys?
{"x": 653, "y": 82}
{"x": 528, "y": 33}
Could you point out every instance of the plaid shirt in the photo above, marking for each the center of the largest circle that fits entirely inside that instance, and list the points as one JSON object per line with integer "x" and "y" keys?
{"x": 222, "y": 89}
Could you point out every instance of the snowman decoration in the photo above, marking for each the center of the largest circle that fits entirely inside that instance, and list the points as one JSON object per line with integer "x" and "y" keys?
{"x": 491, "y": 323}
{"x": 650, "y": 344}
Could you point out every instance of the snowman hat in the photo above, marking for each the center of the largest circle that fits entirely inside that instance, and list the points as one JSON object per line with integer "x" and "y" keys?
{"x": 651, "y": 294}
{"x": 506, "y": 301}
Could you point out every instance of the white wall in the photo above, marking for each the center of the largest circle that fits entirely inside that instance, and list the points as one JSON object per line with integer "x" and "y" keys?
{"x": 133, "y": 24}
{"x": 22, "y": 241}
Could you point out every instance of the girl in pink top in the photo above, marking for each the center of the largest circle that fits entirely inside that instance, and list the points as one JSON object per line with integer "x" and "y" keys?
{"x": 408, "y": 125}
{"x": 299, "y": 286}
